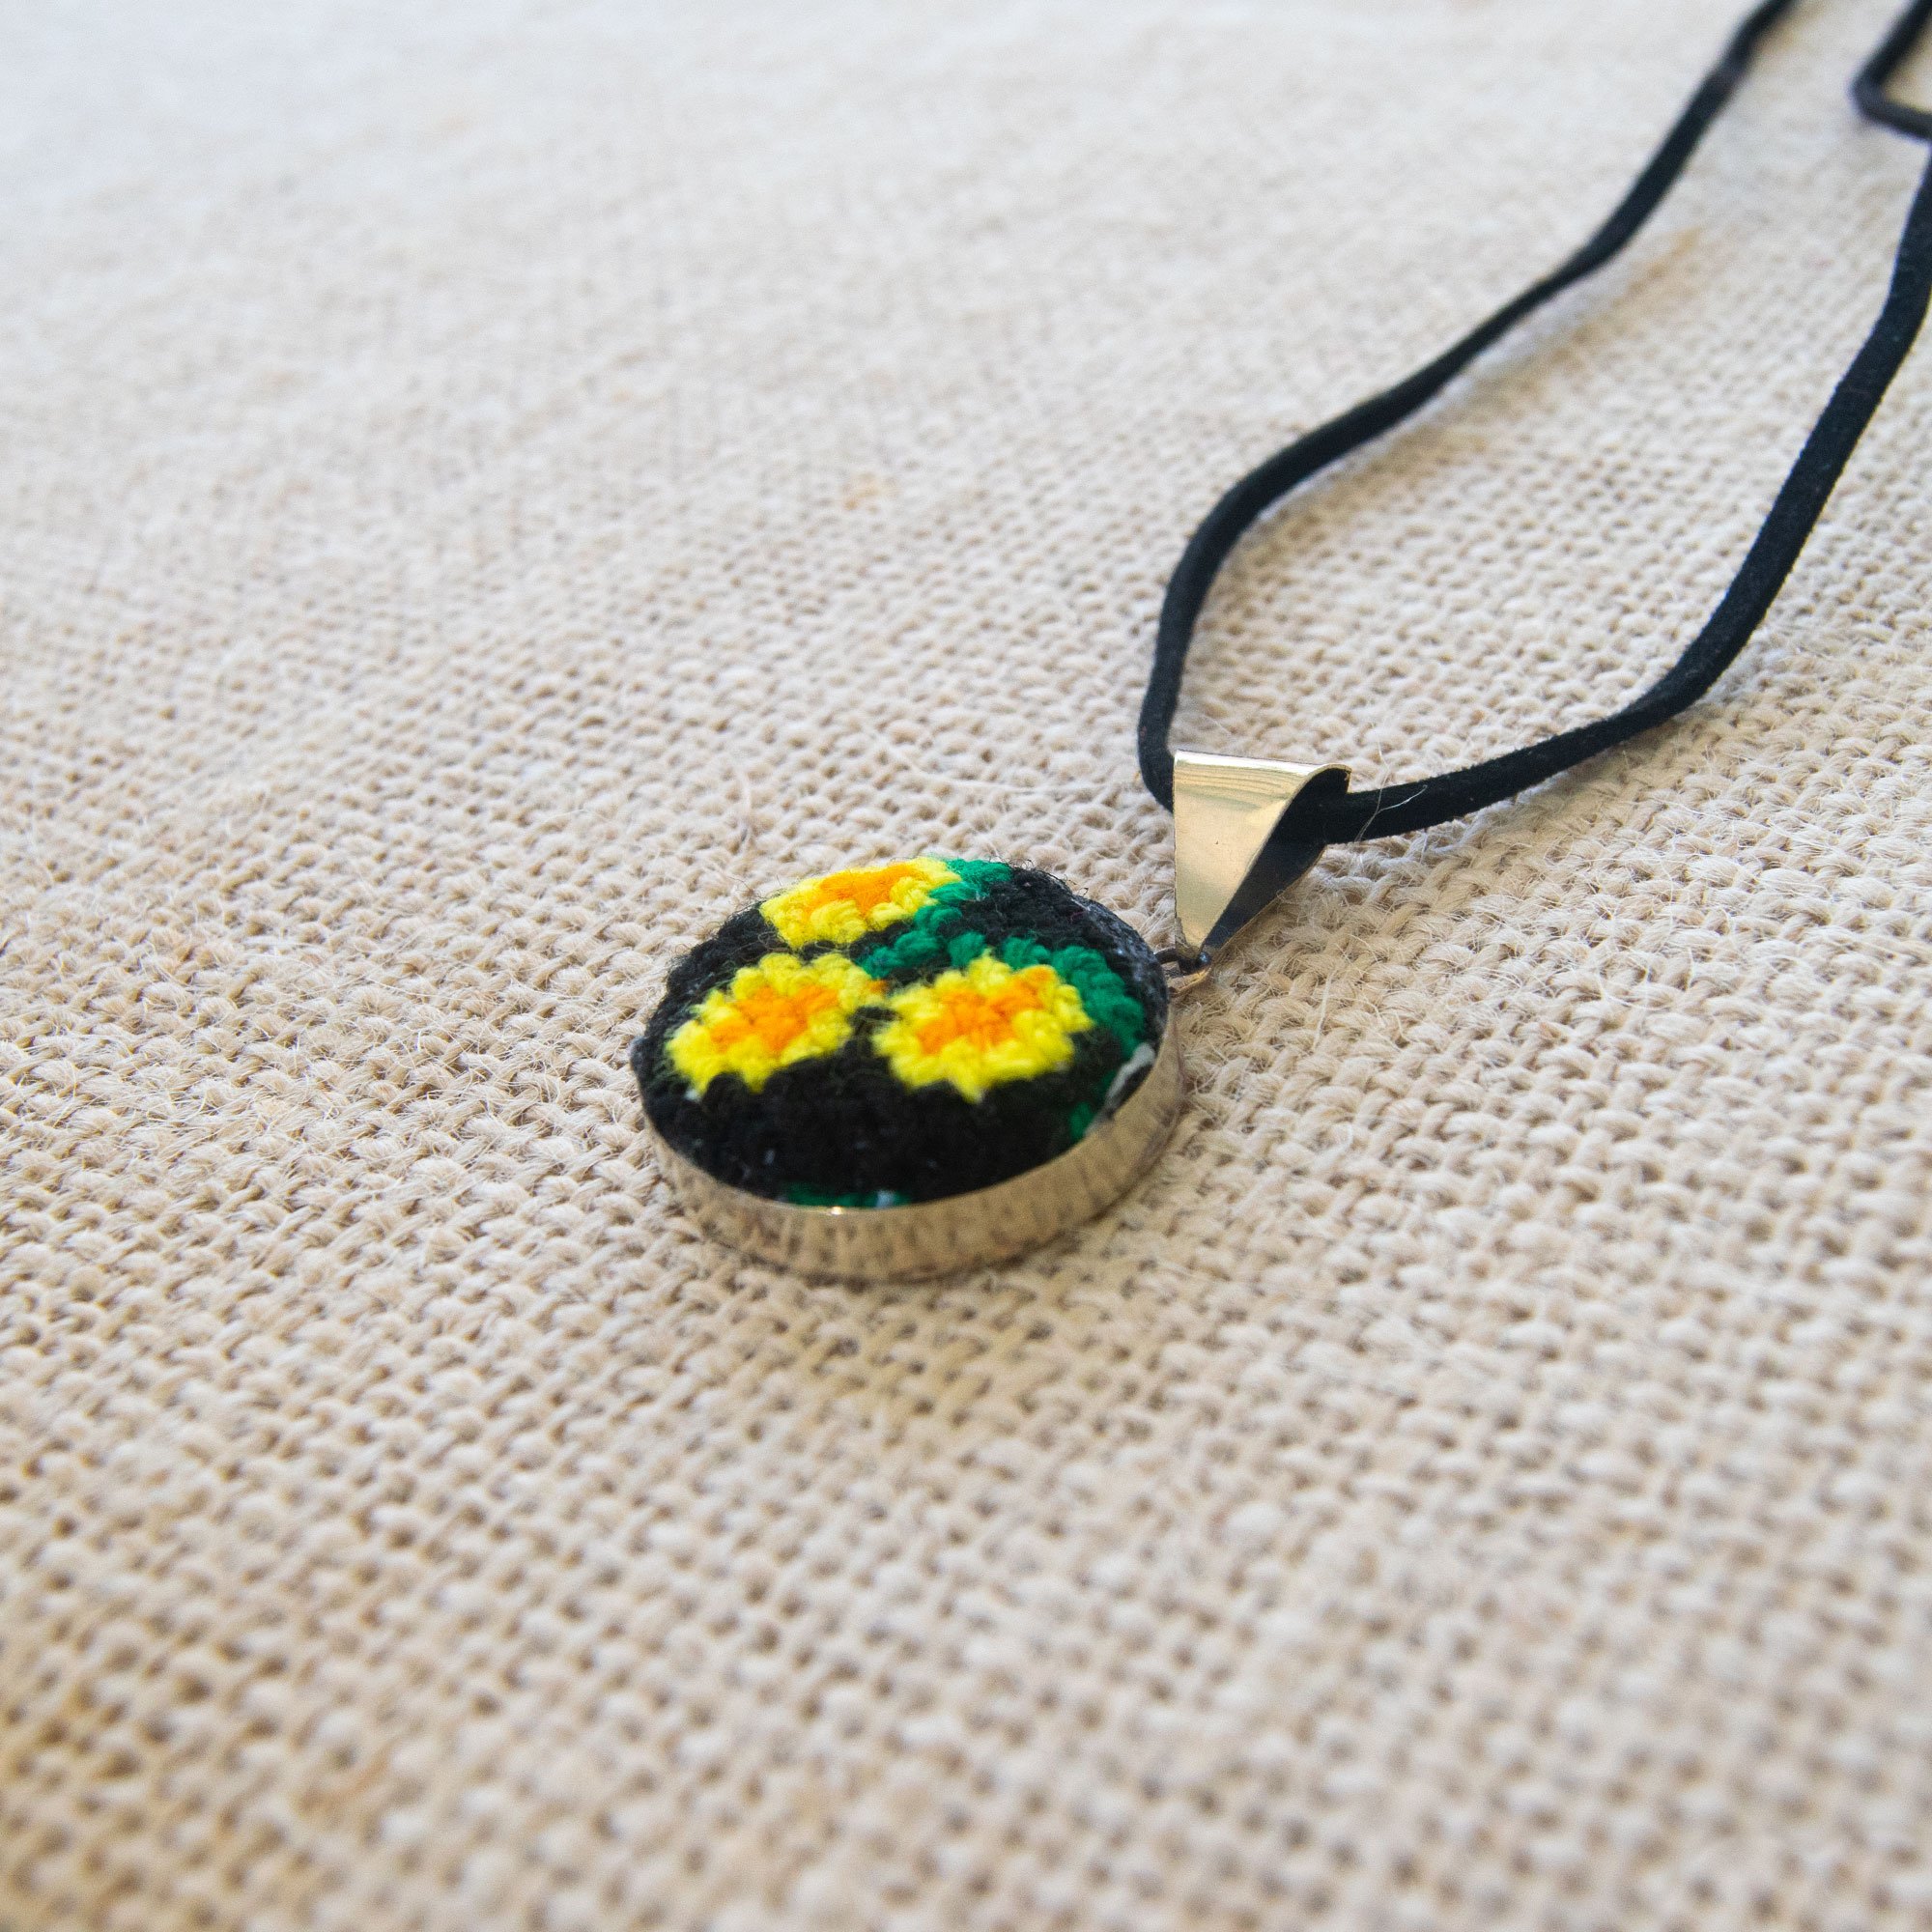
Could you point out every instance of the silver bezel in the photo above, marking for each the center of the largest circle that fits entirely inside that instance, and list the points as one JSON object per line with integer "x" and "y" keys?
{"x": 963, "y": 1231}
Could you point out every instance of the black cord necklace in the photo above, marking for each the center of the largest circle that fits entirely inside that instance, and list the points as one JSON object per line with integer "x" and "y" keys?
{"x": 913, "y": 1068}
{"x": 1329, "y": 819}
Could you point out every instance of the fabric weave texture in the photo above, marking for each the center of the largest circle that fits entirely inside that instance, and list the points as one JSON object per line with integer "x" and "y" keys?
{"x": 488, "y": 490}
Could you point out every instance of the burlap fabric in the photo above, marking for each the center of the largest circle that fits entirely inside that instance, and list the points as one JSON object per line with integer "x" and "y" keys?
{"x": 487, "y": 489}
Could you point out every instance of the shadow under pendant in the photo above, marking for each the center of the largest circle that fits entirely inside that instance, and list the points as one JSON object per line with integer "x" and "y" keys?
{"x": 909, "y": 1068}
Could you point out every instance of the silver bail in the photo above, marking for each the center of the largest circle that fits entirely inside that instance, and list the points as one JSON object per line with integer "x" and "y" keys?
{"x": 1228, "y": 863}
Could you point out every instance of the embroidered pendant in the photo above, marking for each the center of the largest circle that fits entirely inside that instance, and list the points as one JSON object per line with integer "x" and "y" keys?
{"x": 909, "y": 1068}
{"x": 905, "y": 1070}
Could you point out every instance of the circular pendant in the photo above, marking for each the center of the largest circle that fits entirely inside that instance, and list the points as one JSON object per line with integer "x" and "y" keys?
{"x": 910, "y": 1068}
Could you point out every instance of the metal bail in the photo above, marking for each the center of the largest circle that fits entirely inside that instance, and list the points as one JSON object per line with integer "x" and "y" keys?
{"x": 1228, "y": 863}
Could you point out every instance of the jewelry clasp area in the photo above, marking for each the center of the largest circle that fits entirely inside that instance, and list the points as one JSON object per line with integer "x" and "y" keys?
{"x": 1234, "y": 853}
{"x": 1185, "y": 972}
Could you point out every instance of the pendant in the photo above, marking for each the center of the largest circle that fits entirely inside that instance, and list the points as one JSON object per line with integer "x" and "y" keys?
{"x": 907, "y": 1069}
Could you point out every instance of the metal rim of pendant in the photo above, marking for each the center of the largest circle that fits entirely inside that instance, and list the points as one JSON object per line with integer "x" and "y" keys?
{"x": 959, "y": 1231}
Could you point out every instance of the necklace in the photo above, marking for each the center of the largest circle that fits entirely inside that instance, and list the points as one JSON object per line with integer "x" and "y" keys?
{"x": 914, "y": 1067}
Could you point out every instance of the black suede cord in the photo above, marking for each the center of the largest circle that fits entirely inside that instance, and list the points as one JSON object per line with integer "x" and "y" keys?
{"x": 1328, "y": 818}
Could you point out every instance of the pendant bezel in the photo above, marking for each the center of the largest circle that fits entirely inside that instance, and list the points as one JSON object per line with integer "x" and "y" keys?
{"x": 957, "y": 1231}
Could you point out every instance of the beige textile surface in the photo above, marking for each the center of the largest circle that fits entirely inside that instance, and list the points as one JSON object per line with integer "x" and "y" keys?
{"x": 489, "y": 488}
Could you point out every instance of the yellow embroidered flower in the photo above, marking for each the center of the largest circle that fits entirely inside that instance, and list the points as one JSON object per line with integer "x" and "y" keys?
{"x": 844, "y": 907}
{"x": 981, "y": 1026}
{"x": 781, "y": 1011}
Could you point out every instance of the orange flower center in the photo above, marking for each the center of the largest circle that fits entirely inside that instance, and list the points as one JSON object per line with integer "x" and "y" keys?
{"x": 984, "y": 1019}
{"x": 774, "y": 1017}
{"x": 865, "y": 890}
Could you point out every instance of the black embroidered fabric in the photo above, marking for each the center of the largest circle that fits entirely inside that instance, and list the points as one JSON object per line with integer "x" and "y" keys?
{"x": 1326, "y": 817}
{"x": 842, "y": 1130}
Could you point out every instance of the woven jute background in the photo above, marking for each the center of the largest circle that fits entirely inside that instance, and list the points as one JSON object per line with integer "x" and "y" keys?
{"x": 489, "y": 488}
